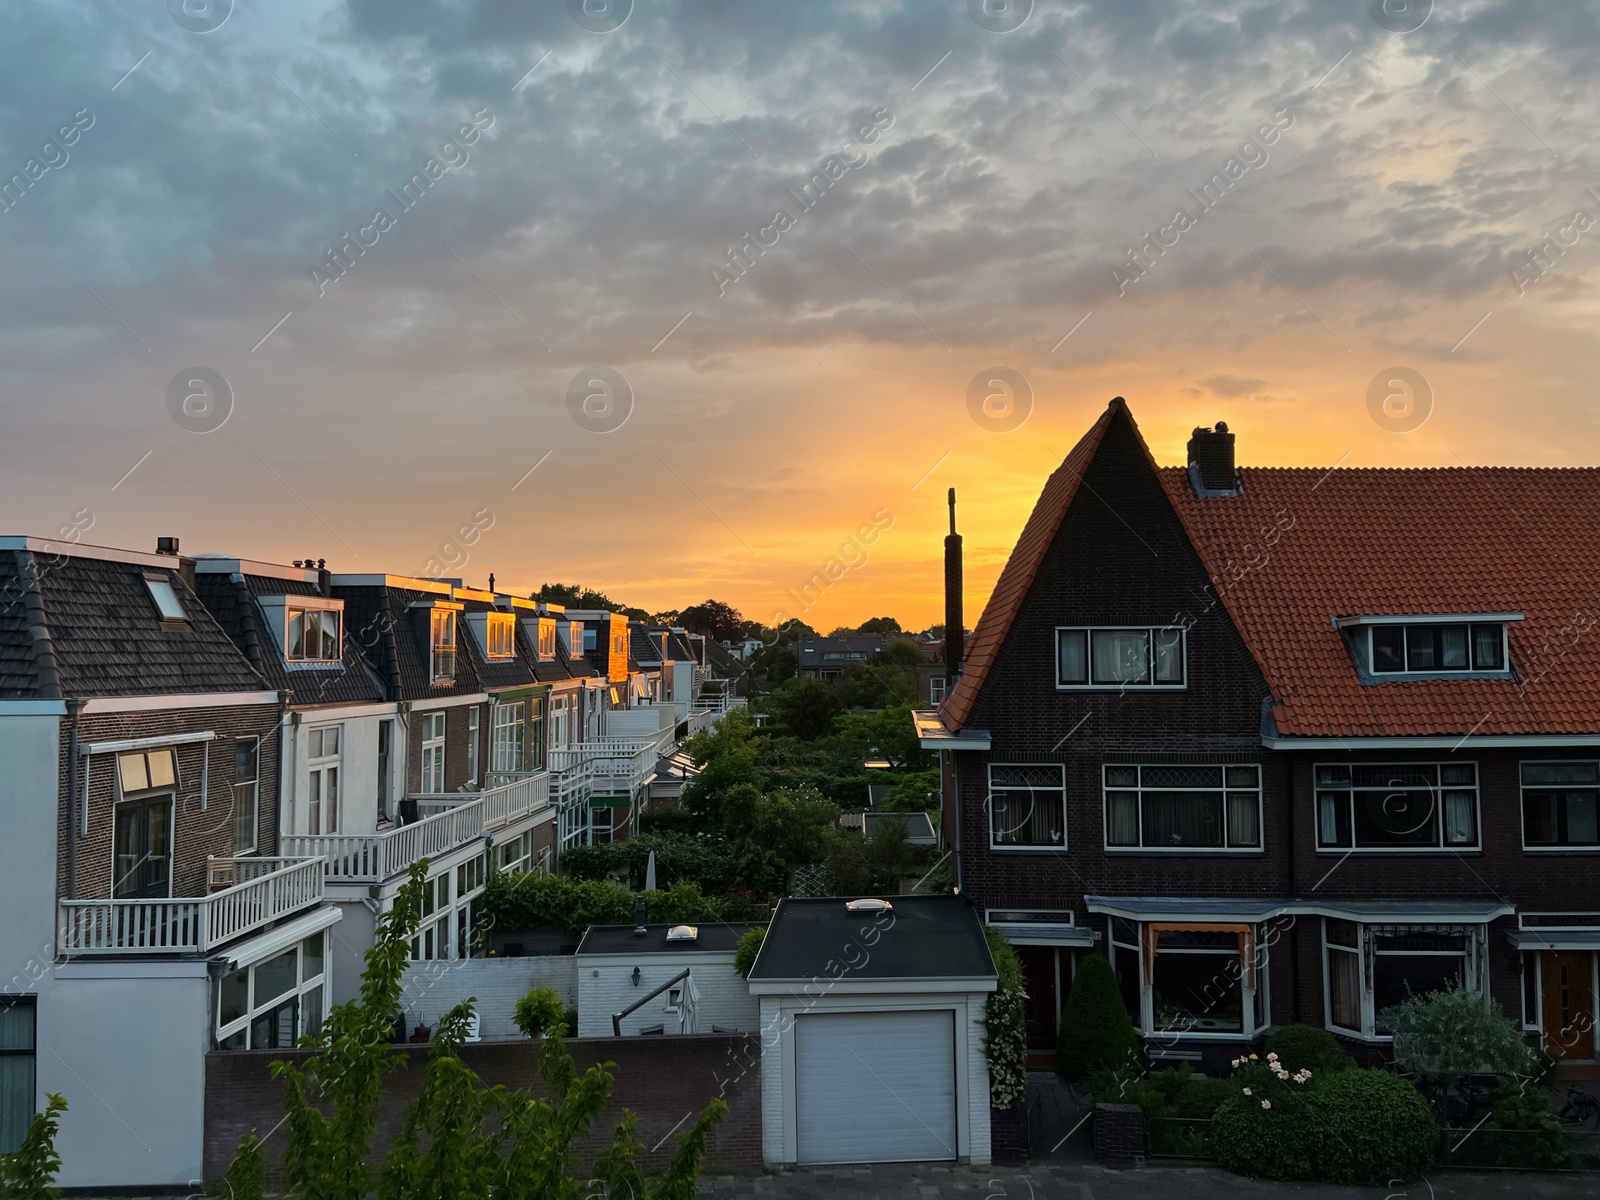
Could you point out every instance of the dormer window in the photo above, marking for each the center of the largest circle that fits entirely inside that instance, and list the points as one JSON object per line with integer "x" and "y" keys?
{"x": 166, "y": 599}
{"x": 442, "y": 644}
{"x": 501, "y": 635}
{"x": 547, "y": 640}
{"x": 1428, "y": 646}
{"x": 311, "y": 634}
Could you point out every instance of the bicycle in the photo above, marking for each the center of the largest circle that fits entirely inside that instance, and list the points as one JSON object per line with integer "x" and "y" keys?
{"x": 1580, "y": 1109}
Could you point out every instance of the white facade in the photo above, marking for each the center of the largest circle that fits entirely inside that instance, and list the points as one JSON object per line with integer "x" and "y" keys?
{"x": 606, "y": 987}
{"x": 783, "y": 1006}
{"x": 431, "y": 989}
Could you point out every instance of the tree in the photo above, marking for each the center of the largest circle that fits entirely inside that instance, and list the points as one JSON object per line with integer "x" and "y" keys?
{"x": 29, "y": 1172}
{"x": 889, "y": 854}
{"x": 715, "y": 619}
{"x": 806, "y": 707}
{"x": 744, "y": 954}
{"x": 1444, "y": 1037}
{"x": 1096, "y": 1032}
{"x": 848, "y": 872}
{"x": 575, "y": 595}
{"x": 884, "y": 625}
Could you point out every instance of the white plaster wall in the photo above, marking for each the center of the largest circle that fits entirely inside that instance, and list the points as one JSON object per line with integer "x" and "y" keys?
{"x": 349, "y": 940}
{"x": 777, "y": 1016}
{"x": 29, "y": 766}
{"x": 125, "y": 1043}
{"x": 358, "y": 768}
{"x": 605, "y": 987}
{"x": 432, "y": 989}
{"x": 624, "y": 723}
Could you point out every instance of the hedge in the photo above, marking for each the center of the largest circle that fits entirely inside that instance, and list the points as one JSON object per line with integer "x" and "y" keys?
{"x": 512, "y": 903}
{"x": 1307, "y": 1046}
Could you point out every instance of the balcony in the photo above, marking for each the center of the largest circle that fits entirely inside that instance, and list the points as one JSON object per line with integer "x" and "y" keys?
{"x": 374, "y": 857}
{"x": 253, "y": 893}
{"x": 509, "y": 797}
{"x": 609, "y": 766}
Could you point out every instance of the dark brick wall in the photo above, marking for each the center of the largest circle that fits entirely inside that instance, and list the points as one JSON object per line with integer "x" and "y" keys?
{"x": 1118, "y": 1136}
{"x": 661, "y": 1080}
{"x": 455, "y": 747}
{"x": 197, "y": 833}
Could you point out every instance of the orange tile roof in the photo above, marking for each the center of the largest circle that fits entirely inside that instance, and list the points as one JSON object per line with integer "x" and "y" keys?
{"x": 1011, "y": 589}
{"x": 1392, "y": 541}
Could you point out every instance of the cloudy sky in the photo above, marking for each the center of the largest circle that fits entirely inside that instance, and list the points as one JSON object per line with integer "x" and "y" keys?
{"x": 555, "y": 293}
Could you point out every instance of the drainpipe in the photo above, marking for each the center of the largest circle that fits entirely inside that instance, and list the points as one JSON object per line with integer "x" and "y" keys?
{"x": 74, "y": 709}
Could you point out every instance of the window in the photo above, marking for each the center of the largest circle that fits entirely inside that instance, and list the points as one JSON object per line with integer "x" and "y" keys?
{"x": 1027, "y": 807}
{"x": 18, "y": 1054}
{"x": 143, "y": 771}
{"x": 501, "y": 635}
{"x": 385, "y": 766}
{"x": 533, "y": 751}
{"x": 312, "y": 634}
{"x": 547, "y": 640}
{"x": 506, "y": 748}
{"x": 1125, "y": 957}
{"x": 1183, "y": 807}
{"x": 142, "y": 849}
{"x": 936, "y": 688}
{"x": 166, "y": 599}
{"x": 1397, "y": 806}
{"x": 270, "y": 1005}
{"x": 1372, "y": 968}
{"x": 433, "y": 935}
{"x": 1118, "y": 658}
{"x": 246, "y": 793}
{"x": 474, "y": 718}
{"x": 433, "y": 753}
{"x": 1428, "y": 648}
{"x": 322, "y": 754}
{"x": 1560, "y": 801}
{"x": 515, "y": 856}
{"x": 1198, "y": 978}
{"x": 442, "y": 639}
{"x": 561, "y": 723}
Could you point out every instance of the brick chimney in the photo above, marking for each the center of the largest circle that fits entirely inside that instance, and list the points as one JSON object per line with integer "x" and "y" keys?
{"x": 1211, "y": 469}
{"x": 954, "y": 629}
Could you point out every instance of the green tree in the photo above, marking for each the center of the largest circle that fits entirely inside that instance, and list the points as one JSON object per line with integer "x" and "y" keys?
{"x": 1443, "y": 1037}
{"x": 849, "y": 873}
{"x": 1096, "y": 1032}
{"x": 542, "y": 1012}
{"x": 883, "y": 625}
{"x": 715, "y": 619}
{"x": 29, "y": 1172}
{"x": 793, "y": 824}
{"x": 744, "y": 954}
{"x": 575, "y": 595}
{"x": 889, "y": 855}
{"x": 806, "y": 707}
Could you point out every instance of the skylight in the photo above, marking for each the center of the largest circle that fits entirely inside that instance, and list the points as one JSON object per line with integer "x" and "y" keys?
{"x": 166, "y": 599}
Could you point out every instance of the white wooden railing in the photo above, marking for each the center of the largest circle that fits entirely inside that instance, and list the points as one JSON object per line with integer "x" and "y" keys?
{"x": 614, "y": 766}
{"x": 374, "y": 857}
{"x": 508, "y": 798}
{"x": 269, "y": 888}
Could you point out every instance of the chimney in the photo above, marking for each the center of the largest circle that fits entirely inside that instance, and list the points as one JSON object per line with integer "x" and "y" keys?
{"x": 954, "y": 629}
{"x": 1211, "y": 469}
{"x": 324, "y": 578}
{"x": 166, "y": 545}
{"x": 639, "y": 929}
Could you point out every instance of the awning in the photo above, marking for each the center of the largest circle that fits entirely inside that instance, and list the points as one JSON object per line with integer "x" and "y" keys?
{"x": 1555, "y": 939}
{"x": 1186, "y": 908}
{"x": 1038, "y": 933}
{"x": 264, "y": 945}
{"x": 1370, "y": 912}
{"x": 1410, "y": 912}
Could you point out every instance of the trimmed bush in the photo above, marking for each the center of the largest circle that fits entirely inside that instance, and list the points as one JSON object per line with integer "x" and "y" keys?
{"x": 542, "y": 1013}
{"x": 1096, "y": 1033}
{"x": 1306, "y": 1046}
{"x": 1521, "y": 1132}
{"x": 1363, "y": 1128}
{"x": 744, "y": 954}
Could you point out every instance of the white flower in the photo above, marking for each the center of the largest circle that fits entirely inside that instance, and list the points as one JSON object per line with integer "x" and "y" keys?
{"x": 1266, "y": 1104}
{"x": 1247, "y": 1092}
{"x": 1236, "y": 1063}
{"x": 1272, "y": 1056}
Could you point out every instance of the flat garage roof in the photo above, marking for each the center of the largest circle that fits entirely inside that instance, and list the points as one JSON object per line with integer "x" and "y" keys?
{"x": 920, "y": 937}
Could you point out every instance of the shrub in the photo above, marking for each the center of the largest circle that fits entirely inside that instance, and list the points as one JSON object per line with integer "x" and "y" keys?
{"x": 1444, "y": 1037}
{"x": 528, "y": 901}
{"x": 1096, "y": 1034}
{"x": 1307, "y": 1046}
{"x": 1005, "y": 1027}
{"x": 744, "y": 954}
{"x": 1355, "y": 1127}
{"x": 542, "y": 1012}
{"x": 1521, "y": 1132}
{"x": 29, "y": 1172}
{"x": 1177, "y": 1105}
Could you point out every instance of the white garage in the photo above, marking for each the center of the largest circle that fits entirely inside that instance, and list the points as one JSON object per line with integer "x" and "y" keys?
{"x": 871, "y": 1043}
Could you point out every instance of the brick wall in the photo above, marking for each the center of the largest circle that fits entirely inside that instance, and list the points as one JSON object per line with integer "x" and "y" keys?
{"x": 455, "y": 747}
{"x": 197, "y": 832}
{"x": 661, "y": 1080}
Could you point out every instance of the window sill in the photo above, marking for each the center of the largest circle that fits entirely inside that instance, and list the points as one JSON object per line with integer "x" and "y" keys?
{"x": 1122, "y": 687}
{"x": 1210, "y": 851}
{"x": 1399, "y": 850}
{"x": 1027, "y": 849}
{"x": 1561, "y": 849}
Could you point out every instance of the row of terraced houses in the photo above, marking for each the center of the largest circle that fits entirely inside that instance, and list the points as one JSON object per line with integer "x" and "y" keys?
{"x": 216, "y": 774}
{"x": 1286, "y": 745}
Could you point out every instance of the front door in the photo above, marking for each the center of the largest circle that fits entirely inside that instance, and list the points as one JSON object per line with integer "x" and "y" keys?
{"x": 1567, "y": 980}
{"x": 143, "y": 849}
{"x": 1039, "y": 977}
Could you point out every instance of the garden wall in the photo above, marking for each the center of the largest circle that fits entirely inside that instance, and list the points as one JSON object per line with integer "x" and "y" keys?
{"x": 431, "y": 989}
{"x": 665, "y": 1081}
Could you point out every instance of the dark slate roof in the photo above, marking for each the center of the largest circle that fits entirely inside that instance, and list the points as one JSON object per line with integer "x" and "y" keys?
{"x": 106, "y": 635}
{"x": 642, "y": 647}
{"x": 373, "y": 612}
{"x": 501, "y": 673}
{"x": 232, "y": 600}
{"x": 719, "y": 938}
{"x": 924, "y": 937}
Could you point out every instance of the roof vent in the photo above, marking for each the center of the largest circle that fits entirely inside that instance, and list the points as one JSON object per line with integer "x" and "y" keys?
{"x": 683, "y": 933}
{"x": 1211, "y": 469}
{"x": 868, "y": 906}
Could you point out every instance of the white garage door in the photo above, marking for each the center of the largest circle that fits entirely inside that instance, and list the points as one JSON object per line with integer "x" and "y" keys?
{"x": 875, "y": 1087}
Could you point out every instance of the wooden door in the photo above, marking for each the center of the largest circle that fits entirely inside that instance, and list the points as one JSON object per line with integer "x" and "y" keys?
{"x": 1039, "y": 977}
{"x": 1568, "y": 983}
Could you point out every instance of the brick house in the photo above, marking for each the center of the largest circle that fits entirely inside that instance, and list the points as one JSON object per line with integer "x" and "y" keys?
{"x": 1287, "y": 744}
{"x": 150, "y": 910}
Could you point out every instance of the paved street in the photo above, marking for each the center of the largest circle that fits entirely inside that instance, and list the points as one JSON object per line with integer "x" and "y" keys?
{"x": 1050, "y": 1181}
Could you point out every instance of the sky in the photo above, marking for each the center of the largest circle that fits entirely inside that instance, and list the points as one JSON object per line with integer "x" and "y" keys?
{"x": 696, "y": 298}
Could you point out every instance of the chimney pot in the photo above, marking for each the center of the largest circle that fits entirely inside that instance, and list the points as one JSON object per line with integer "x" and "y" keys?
{"x": 1211, "y": 466}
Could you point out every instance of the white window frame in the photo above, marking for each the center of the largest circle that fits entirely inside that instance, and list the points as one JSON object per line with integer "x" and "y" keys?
{"x": 294, "y": 654}
{"x": 500, "y": 636}
{"x": 547, "y": 640}
{"x": 324, "y": 775}
{"x": 247, "y": 795}
{"x": 1474, "y": 957}
{"x": 1254, "y": 1000}
{"x": 1469, "y": 671}
{"x": 474, "y": 735}
{"x": 442, "y": 647}
{"x": 1522, "y": 808}
{"x": 1441, "y": 846}
{"x": 936, "y": 688}
{"x": 508, "y": 738}
{"x": 1012, "y": 847}
{"x": 303, "y": 991}
{"x": 433, "y": 731}
{"x": 515, "y": 856}
{"x": 165, "y": 597}
{"x": 1149, "y": 684}
{"x": 1225, "y": 789}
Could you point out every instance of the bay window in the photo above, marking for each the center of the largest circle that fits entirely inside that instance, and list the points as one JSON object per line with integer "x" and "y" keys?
{"x": 1397, "y": 806}
{"x": 1183, "y": 807}
{"x": 1371, "y": 968}
{"x": 1198, "y": 978}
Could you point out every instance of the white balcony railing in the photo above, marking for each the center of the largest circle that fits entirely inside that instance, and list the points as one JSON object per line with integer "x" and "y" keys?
{"x": 269, "y": 888}
{"x": 612, "y": 766}
{"x": 508, "y": 798}
{"x": 374, "y": 857}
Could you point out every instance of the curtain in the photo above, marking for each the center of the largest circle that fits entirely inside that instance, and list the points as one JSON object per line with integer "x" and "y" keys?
{"x": 1182, "y": 818}
{"x": 1121, "y": 656}
{"x": 1460, "y": 824}
{"x": 1244, "y": 819}
{"x": 1344, "y": 988}
{"x": 1122, "y": 819}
